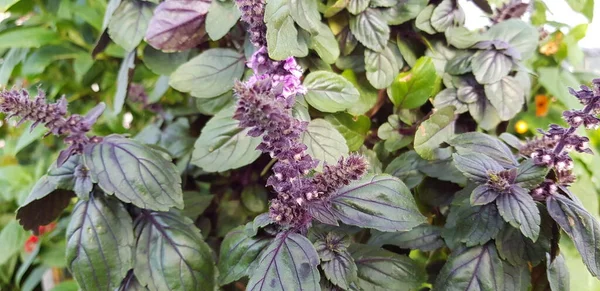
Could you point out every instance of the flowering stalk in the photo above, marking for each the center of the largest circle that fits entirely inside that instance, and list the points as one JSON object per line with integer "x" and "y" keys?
{"x": 552, "y": 149}
{"x": 53, "y": 116}
{"x": 264, "y": 105}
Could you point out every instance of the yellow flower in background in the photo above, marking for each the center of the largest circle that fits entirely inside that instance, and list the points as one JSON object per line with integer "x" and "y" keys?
{"x": 551, "y": 47}
{"x": 521, "y": 127}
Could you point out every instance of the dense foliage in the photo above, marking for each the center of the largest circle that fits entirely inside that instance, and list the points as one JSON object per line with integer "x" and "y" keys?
{"x": 296, "y": 145}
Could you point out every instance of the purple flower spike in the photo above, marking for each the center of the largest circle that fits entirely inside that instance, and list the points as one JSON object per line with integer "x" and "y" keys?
{"x": 53, "y": 116}
{"x": 253, "y": 13}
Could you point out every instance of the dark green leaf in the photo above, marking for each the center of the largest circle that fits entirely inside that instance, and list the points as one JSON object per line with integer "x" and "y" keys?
{"x": 100, "y": 243}
{"x": 405, "y": 167}
{"x": 423, "y": 22}
{"x": 306, "y": 14}
{"x": 370, "y": 29}
{"x": 480, "y": 143}
{"x": 288, "y": 263}
{"x": 380, "y": 270}
{"x": 239, "y": 255}
{"x": 517, "y": 249}
{"x": 529, "y": 175}
{"x": 507, "y": 96}
{"x": 210, "y": 74}
{"x": 581, "y": 226}
{"x": 380, "y": 201}
{"x": 43, "y": 205}
{"x": 432, "y": 132}
{"x": 425, "y": 237}
{"x": 476, "y": 166}
{"x": 558, "y": 273}
{"x": 341, "y": 270}
{"x": 490, "y": 66}
{"x": 476, "y": 268}
{"x": 129, "y": 23}
{"x": 353, "y": 128}
{"x": 163, "y": 63}
{"x": 134, "y": 173}
{"x": 459, "y": 64}
{"x": 446, "y": 14}
{"x": 483, "y": 194}
{"x": 329, "y": 92}
{"x": 404, "y": 11}
{"x": 516, "y": 278}
{"x": 171, "y": 255}
{"x": 475, "y": 225}
{"x": 484, "y": 113}
{"x": 518, "y": 208}
{"x": 223, "y": 145}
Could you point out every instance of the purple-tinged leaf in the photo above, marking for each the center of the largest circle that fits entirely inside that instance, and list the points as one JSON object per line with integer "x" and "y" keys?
{"x": 447, "y": 14}
{"x": 476, "y": 268}
{"x": 99, "y": 243}
{"x": 259, "y": 222}
{"x": 131, "y": 283}
{"x": 425, "y": 237}
{"x": 329, "y": 244}
{"x": 477, "y": 142}
{"x": 239, "y": 254}
{"x": 381, "y": 270}
{"x": 483, "y": 194}
{"x": 43, "y": 205}
{"x": 473, "y": 225}
{"x": 381, "y": 202}
{"x": 490, "y": 66}
{"x": 558, "y": 273}
{"x": 581, "y": 226}
{"x": 178, "y": 25}
{"x": 134, "y": 173}
{"x": 323, "y": 213}
{"x": 171, "y": 254}
{"x": 515, "y": 248}
{"x": 516, "y": 278}
{"x": 529, "y": 175}
{"x": 289, "y": 263}
{"x": 341, "y": 270}
{"x": 476, "y": 166}
{"x": 518, "y": 208}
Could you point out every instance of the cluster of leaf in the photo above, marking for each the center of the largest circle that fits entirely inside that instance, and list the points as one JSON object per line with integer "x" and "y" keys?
{"x": 400, "y": 81}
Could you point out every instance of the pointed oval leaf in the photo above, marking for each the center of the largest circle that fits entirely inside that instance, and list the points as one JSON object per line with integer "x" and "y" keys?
{"x": 283, "y": 40}
{"x": 223, "y": 145}
{"x": 329, "y": 92}
{"x": 380, "y": 201}
{"x": 221, "y": 17}
{"x": 381, "y": 67}
{"x": 529, "y": 175}
{"x": 134, "y": 173}
{"x": 288, "y": 263}
{"x": 507, "y": 96}
{"x": 515, "y": 248}
{"x": 476, "y": 268}
{"x": 581, "y": 226}
{"x": 306, "y": 14}
{"x": 476, "y": 225}
{"x": 476, "y": 166}
{"x": 490, "y": 66}
{"x": 412, "y": 89}
{"x": 518, "y": 208}
{"x": 341, "y": 270}
{"x": 381, "y": 270}
{"x": 210, "y": 74}
{"x": 483, "y": 195}
{"x": 425, "y": 237}
{"x": 177, "y": 25}
{"x": 558, "y": 273}
{"x": 520, "y": 35}
{"x": 129, "y": 23}
{"x": 481, "y": 143}
{"x": 369, "y": 27}
{"x": 99, "y": 243}
{"x": 324, "y": 142}
{"x": 432, "y": 132}
{"x": 171, "y": 254}
{"x": 448, "y": 13}
{"x": 357, "y": 6}
{"x": 238, "y": 255}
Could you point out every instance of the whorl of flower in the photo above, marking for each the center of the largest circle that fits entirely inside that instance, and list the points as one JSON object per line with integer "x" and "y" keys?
{"x": 253, "y": 13}
{"x": 53, "y": 116}
{"x": 502, "y": 181}
{"x": 552, "y": 149}
{"x": 336, "y": 176}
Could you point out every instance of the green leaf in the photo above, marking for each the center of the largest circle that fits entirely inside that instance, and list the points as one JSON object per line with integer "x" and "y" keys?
{"x": 134, "y": 173}
{"x": 210, "y": 74}
{"x": 368, "y": 95}
{"x": 223, "y": 145}
{"x": 412, "y": 89}
{"x": 518, "y": 208}
{"x": 325, "y": 44}
{"x": 519, "y": 34}
{"x": 558, "y": 273}
{"x": 484, "y": 113}
{"x": 99, "y": 243}
{"x": 212, "y": 106}
{"x": 11, "y": 59}
{"x": 405, "y": 167}
{"x": 370, "y": 29}
{"x": 516, "y": 278}
{"x": 27, "y": 37}
{"x": 329, "y": 92}
{"x": 380, "y": 202}
{"x": 581, "y": 226}
{"x": 477, "y": 142}
{"x": 423, "y": 22}
{"x": 461, "y": 37}
{"x": 556, "y": 81}
{"x": 425, "y": 237}
{"x": 341, "y": 270}
{"x": 353, "y": 128}
{"x": 283, "y": 40}
{"x": 446, "y": 14}
{"x": 324, "y": 142}
{"x": 381, "y": 67}
{"x": 432, "y": 132}
{"x": 306, "y": 14}
{"x": 163, "y": 63}
{"x": 12, "y": 238}
{"x": 129, "y": 23}
{"x": 357, "y": 6}
{"x": 6, "y": 4}
{"x": 474, "y": 225}
{"x": 288, "y": 263}
{"x": 459, "y": 65}
{"x": 171, "y": 255}
{"x": 530, "y": 175}
{"x": 123, "y": 79}
{"x": 476, "y": 166}
{"x": 476, "y": 268}
{"x": 380, "y": 270}
{"x": 43, "y": 205}
{"x": 490, "y": 66}
{"x": 221, "y": 17}
{"x": 40, "y": 59}
{"x": 515, "y": 248}
{"x": 239, "y": 255}
{"x": 507, "y": 96}
{"x": 255, "y": 198}
{"x": 584, "y": 7}
{"x": 404, "y": 11}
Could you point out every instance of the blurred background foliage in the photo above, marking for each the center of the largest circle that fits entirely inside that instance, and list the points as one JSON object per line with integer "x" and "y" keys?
{"x": 49, "y": 43}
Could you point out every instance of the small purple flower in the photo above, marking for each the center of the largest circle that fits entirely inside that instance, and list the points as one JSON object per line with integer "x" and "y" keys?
{"x": 253, "y": 13}
{"x": 54, "y": 117}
